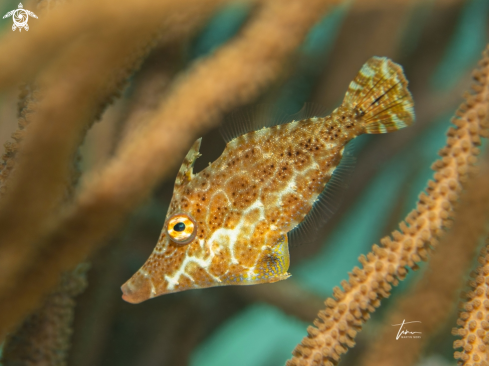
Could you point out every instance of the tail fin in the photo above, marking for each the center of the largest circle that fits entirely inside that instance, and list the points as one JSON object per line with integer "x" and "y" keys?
{"x": 379, "y": 95}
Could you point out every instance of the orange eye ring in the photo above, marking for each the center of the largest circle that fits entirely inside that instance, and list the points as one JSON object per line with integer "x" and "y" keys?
{"x": 181, "y": 228}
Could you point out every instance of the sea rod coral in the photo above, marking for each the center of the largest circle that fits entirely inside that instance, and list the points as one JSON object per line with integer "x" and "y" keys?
{"x": 474, "y": 318}
{"x": 432, "y": 299}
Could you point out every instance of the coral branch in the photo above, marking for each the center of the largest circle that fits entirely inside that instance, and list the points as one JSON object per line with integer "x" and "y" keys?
{"x": 44, "y": 338}
{"x": 474, "y": 320}
{"x": 65, "y": 23}
{"x": 26, "y": 104}
{"x": 431, "y": 300}
{"x": 150, "y": 85}
{"x": 338, "y": 324}
{"x": 68, "y": 94}
{"x": 234, "y": 75}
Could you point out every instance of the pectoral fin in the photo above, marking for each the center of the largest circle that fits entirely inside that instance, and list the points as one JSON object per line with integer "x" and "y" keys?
{"x": 275, "y": 262}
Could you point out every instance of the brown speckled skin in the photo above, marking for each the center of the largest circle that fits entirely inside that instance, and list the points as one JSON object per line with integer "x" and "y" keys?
{"x": 280, "y": 171}
{"x": 260, "y": 188}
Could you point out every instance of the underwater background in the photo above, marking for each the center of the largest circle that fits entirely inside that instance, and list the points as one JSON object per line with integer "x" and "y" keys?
{"x": 438, "y": 43}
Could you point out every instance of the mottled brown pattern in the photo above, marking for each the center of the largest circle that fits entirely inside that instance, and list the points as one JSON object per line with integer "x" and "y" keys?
{"x": 261, "y": 187}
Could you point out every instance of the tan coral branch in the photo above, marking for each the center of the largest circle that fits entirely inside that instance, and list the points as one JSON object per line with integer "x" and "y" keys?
{"x": 337, "y": 325}
{"x": 474, "y": 319}
{"x": 44, "y": 338}
{"x": 66, "y": 23}
{"x": 27, "y": 103}
{"x": 431, "y": 299}
{"x": 69, "y": 103}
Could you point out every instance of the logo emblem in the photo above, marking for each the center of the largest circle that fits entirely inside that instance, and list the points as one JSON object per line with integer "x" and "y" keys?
{"x": 20, "y": 17}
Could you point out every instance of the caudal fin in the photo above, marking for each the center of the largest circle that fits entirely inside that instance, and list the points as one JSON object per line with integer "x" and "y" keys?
{"x": 379, "y": 96}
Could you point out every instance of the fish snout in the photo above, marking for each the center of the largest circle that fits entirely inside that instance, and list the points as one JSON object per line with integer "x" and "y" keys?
{"x": 136, "y": 290}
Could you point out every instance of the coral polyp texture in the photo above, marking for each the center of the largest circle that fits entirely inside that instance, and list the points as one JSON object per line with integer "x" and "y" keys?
{"x": 45, "y": 336}
{"x": 336, "y": 327}
{"x": 432, "y": 306}
{"x": 474, "y": 319}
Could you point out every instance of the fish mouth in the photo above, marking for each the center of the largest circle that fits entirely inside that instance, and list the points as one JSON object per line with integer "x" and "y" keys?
{"x": 136, "y": 290}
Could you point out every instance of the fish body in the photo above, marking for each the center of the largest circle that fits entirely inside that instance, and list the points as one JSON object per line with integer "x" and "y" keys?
{"x": 228, "y": 224}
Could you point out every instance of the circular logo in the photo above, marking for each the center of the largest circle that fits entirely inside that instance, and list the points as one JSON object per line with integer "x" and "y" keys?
{"x": 20, "y": 18}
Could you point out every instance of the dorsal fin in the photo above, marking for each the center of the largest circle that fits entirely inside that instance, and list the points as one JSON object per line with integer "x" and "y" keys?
{"x": 327, "y": 202}
{"x": 252, "y": 118}
{"x": 185, "y": 173}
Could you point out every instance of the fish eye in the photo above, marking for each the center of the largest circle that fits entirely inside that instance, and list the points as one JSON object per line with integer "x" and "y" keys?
{"x": 181, "y": 228}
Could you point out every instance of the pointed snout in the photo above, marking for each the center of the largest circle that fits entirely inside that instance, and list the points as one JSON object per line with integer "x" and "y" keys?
{"x": 136, "y": 290}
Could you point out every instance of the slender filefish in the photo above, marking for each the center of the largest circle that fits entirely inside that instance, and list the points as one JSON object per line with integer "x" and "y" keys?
{"x": 230, "y": 224}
